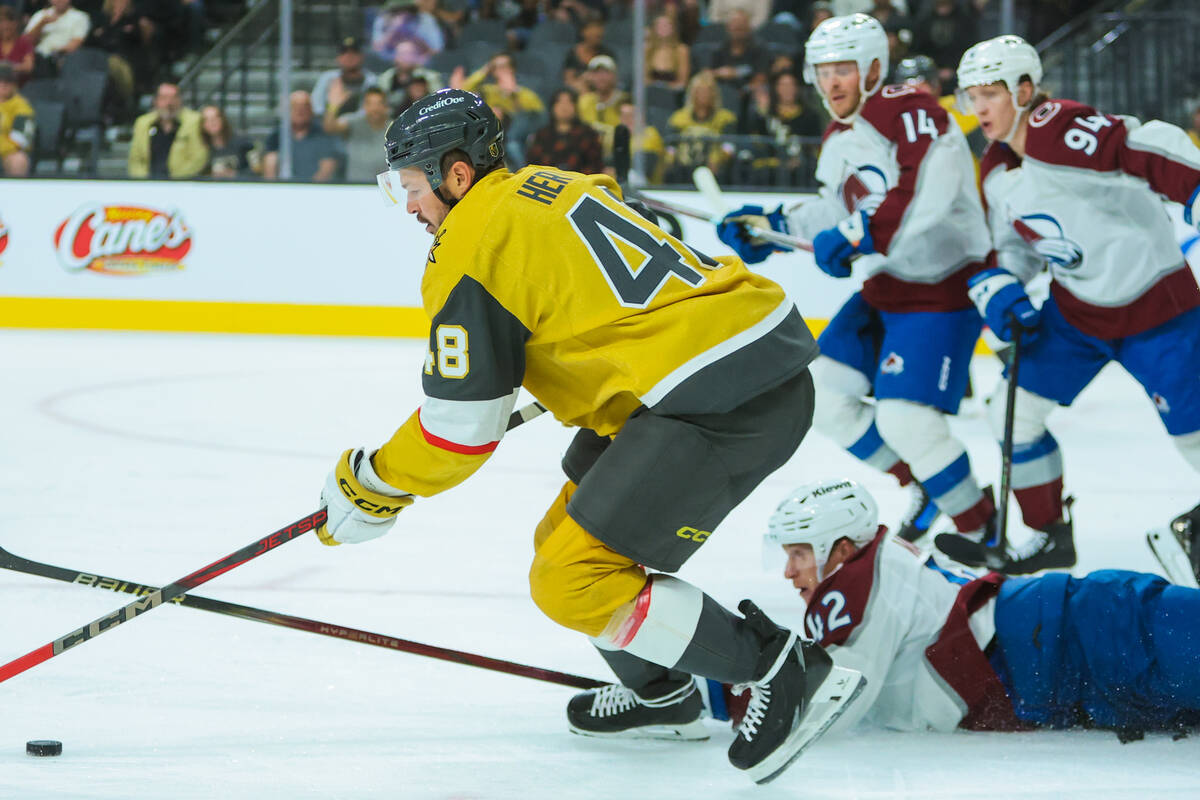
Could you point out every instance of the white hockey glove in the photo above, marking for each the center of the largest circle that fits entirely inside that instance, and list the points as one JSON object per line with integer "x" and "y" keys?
{"x": 361, "y": 505}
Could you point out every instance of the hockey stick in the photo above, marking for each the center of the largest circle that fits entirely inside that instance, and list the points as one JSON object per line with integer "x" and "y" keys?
{"x": 190, "y": 581}
{"x": 997, "y": 555}
{"x": 11, "y": 561}
{"x": 664, "y": 207}
{"x": 706, "y": 184}
{"x": 159, "y": 596}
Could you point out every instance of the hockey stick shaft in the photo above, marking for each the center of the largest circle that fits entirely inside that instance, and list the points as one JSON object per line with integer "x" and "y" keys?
{"x": 163, "y": 595}
{"x": 192, "y": 580}
{"x": 1006, "y": 446}
{"x": 774, "y": 237}
{"x": 11, "y": 561}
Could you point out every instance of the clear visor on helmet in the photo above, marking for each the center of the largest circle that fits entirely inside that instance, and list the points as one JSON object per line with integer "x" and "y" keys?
{"x": 396, "y": 192}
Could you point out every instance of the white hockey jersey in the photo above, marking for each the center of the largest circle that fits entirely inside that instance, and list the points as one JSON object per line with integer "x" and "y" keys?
{"x": 904, "y": 161}
{"x": 1085, "y": 201}
{"x": 918, "y": 634}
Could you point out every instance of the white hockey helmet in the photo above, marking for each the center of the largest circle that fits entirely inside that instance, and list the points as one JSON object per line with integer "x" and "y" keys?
{"x": 819, "y": 514}
{"x": 854, "y": 37}
{"x": 1005, "y": 59}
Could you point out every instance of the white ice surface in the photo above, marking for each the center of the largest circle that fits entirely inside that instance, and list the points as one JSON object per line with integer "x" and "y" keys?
{"x": 144, "y": 457}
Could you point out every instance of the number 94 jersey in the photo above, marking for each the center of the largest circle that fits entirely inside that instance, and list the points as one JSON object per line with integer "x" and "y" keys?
{"x": 544, "y": 278}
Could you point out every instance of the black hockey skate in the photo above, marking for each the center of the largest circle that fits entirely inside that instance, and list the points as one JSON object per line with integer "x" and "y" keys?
{"x": 922, "y": 512}
{"x": 797, "y": 698}
{"x": 1050, "y": 547}
{"x": 616, "y": 711}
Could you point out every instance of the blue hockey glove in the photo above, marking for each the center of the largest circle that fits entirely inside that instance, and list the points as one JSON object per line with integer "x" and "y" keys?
{"x": 832, "y": 248}
{"x": 733, "y": 231}
{"x": 1191, "y": 209}
{"x": 1002, "y": 302}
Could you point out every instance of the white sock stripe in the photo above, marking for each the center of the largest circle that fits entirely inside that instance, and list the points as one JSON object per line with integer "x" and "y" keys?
{"x": 670, "y": 621}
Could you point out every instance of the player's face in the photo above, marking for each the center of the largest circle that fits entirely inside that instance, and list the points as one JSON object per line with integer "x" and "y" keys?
{"x": 801, "y": 569}
{"x": 992, "y": 103}
{"x": 839, "y": 82}
{"x": 421, "y": 201}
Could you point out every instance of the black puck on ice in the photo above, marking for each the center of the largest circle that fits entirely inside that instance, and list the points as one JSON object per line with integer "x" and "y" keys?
{"x": 43, "y": 747}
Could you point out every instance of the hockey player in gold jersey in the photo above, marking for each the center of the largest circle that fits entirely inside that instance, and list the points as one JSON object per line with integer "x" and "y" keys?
{"x": 687, "y": 376}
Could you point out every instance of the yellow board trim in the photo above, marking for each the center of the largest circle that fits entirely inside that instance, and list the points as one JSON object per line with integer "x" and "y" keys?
{"x": 286, "y": 319}
{"x": 212, "y": 317}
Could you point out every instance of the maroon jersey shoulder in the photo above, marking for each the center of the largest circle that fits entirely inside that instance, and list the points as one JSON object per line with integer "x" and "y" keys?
{"x": 885, "y": 111}
{"x": 1072, "y": 134}
{"x": 839, "y": 602}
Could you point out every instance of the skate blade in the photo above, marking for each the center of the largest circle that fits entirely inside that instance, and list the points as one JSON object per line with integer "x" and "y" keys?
{"x": 1170, "y": 555}
{"x": 694, "y": 731}
{"x": 840, "y": 688}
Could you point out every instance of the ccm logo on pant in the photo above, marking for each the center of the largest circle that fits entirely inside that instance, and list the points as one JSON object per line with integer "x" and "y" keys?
{"x": 691, "y": 533}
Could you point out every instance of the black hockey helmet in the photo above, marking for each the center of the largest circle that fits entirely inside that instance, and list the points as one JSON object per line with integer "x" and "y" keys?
{"x": 451, "y": 119}
{"x": 916, "y": 69}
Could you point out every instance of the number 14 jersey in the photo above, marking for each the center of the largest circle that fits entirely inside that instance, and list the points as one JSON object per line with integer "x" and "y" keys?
{"x": 546, "y": 279}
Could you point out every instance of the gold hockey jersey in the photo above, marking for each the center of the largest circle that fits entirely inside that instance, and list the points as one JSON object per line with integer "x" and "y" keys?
{"x": 546, "y": 279}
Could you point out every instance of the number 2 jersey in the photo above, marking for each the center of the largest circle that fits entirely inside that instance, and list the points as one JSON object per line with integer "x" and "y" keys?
{"x": 918, "y": 634}
{"x": 906, "y": 163}
{"x": 1085, "y": 200}
{"x": 544, "y": 278}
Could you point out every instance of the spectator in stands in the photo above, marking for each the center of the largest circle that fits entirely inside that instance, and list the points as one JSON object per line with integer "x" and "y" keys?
{"x": 524, "y": 112}
{"x": 123, "y": 32}
{"x": 668, "y": 61}
{"x": 417, "y": 88}
{"x": 362, "y": 135}
{"x": 648, "y": 143}
{"x": 406, "y": 67}
{"x": 741, "y": 62}
{"x": 944, "y": 32}
{"x": 16, "y": 126}
{"x": 579, "y": 11}
{"x": 700, "y": 122}
{"x": 167, "y": 142}
{"x": 566, "y": 142}
{"x": 781, "y": 111}
{"x": 400, "y": 20}
{"x": 15, "y": 48}
{"x": 349, "y": 79}
{"x": 600, "y": 105}
{"x": 315, "y": 156}
{"x": 229, "y": 156}
{"x": 55, "y": 31}
{"x": 756, "y": 11}
{"x": 821, "y": 11}
{"x": 590, "y": 45}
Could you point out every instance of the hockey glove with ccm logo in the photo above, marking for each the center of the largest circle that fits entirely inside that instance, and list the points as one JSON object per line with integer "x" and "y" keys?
{"x": 1002, "y": 302}
{"x": 733, "y": 230}
{"x": 833, "y": 247}
{"x": 361, "y": 506}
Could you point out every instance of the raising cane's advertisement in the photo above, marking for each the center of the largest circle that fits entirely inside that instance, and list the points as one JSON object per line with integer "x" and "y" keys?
{"x": 122, "y": 240}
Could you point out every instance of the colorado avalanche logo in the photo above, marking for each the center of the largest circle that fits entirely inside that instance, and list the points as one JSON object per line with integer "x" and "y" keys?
{"x": 1045, "y": 235}
{"x": 864, "y": 188}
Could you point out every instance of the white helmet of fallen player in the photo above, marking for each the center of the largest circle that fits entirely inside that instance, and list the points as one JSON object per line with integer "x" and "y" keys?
{"x": 1005, "y": 59}
{"x": 820, "y": 514}
{"x": 854, "y": 37}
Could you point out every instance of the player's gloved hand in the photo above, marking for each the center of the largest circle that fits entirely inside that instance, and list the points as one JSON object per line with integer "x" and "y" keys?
{"x": 360, "y": 504}
{"x": 1191, "y": 209}
{"x": 833, "y": 247}
{"x": 1003, "y": 303}
{"x": 734, "y": 230}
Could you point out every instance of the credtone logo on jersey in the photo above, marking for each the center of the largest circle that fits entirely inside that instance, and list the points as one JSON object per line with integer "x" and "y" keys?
{"x": 122, "y": 240}
{"x": 1045, "y": 235}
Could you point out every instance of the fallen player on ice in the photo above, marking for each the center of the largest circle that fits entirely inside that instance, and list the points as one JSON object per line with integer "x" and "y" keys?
{"x": 942, "y": 650}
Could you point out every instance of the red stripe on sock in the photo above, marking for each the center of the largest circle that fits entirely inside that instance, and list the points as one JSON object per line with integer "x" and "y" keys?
{"x": 632, "y": 625}
{"x": 1041, "y": 505}
{"x": 902, "y": 473}
{"x": 976, "y": 516}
